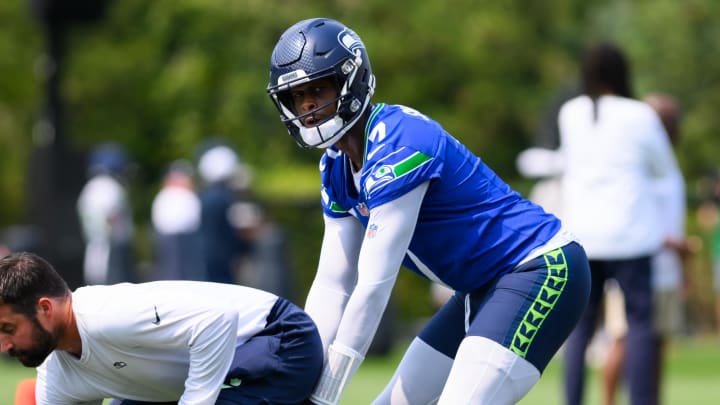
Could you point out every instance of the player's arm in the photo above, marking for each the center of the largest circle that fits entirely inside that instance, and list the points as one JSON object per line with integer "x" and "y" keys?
{"x": 386, "y": 241}
{"x": 212, "y": 344}
{"x": 208, "y": 332}
{"x": 336, "y": 274}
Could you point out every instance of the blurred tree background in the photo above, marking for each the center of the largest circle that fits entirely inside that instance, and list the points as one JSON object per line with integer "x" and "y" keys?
{"x": 161, "y": 76}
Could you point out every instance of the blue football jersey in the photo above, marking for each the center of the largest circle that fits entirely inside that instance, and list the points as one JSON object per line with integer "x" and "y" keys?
{"x": 471, "y": 226}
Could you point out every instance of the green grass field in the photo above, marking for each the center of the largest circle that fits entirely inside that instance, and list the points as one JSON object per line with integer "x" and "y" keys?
{"x": 692, "y": 378}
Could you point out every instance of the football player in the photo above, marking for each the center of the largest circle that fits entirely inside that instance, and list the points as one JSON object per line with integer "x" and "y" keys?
{"x": 397, "y": 189}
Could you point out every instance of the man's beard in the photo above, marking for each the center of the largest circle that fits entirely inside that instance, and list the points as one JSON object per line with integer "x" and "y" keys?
{"x": 44, "y": 342}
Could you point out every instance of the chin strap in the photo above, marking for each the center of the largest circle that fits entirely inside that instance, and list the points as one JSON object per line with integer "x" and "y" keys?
{"x": 342, "y": 363}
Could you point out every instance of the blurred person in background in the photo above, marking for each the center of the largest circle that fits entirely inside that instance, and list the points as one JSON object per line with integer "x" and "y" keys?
{"x": 543, "y": 163}
{"x": 106, "y": 217}
{"x": 222, "y": 245}
{"x": 265, "y": 264}
{"x": 614, "y": 150}
{"x": 715, "y": 260}
{"x": 397, "y": 189}
{"x": 175, "y": 215}
{"x": 668, "y": 276}
{"x": 708, "y": 217}
{"x": 715, "y": 257}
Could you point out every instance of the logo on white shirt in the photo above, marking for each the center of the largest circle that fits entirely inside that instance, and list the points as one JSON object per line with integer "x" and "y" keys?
{"x": 157, "y": 318}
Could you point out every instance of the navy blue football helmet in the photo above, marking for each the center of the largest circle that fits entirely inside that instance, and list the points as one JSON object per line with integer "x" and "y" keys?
{"x": 108, "y": 158}
{"x": 321, "y": 48}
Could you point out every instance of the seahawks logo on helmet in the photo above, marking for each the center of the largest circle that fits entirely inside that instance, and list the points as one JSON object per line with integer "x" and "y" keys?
{"x": 350, "y": 40}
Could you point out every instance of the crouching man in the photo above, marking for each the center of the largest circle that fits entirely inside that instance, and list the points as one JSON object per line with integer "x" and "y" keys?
{"x": 177, "y": 342}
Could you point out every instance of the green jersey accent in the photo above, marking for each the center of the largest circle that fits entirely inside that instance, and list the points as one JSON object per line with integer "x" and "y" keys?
{"x": 415, "y": 160}
{"x": 551, "y": 290}
{"x": 336, "y": 208}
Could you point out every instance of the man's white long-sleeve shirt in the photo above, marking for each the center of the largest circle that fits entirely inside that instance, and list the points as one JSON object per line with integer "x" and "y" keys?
{"x": 612, "y": 161}
{"x": 154, "y": 342}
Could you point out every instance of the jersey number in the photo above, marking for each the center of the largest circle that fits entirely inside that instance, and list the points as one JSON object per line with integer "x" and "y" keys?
{"x": 378, "y": 132}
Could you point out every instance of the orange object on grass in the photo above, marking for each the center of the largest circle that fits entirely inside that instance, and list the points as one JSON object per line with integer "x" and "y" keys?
{"x": 25, "y": 392}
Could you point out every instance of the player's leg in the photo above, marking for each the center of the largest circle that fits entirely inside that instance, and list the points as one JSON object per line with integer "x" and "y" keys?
{"x": 578, "y": 341}
{"x": 423, "y": 370}
{"x": 281, "y": 365}
{"x": 486, "y": 372}
{"x": 419, "y": 378}
{"x": 515, "y": 328}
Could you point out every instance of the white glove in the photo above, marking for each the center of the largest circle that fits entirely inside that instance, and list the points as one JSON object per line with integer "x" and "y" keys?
{"x": 342, "y": 363}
